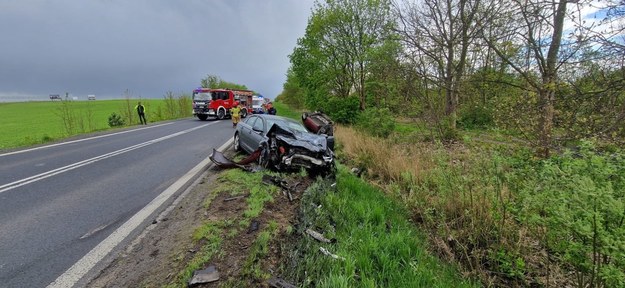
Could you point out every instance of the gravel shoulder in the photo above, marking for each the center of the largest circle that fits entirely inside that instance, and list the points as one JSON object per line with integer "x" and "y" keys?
{"x": 149, "y": 261}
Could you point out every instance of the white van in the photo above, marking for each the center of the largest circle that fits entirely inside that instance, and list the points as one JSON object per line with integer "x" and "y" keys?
{"x": 90, "y": 97}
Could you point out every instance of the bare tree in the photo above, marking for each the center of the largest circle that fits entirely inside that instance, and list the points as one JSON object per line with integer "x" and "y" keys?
{"x": 441, "y": 32}
{"x": 539, "y": 29}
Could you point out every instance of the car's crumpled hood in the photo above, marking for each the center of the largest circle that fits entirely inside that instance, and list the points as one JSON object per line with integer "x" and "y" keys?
{"x": 311, "y": 142}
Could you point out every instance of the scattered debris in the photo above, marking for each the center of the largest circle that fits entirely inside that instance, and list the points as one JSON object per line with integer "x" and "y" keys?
{"x": 326, "y": 252}
{"x": 275, "y": 180}
{"x": 318, "y": 236}
{"x": 207, "y": 275}
{"x": 220, "y": 160}
{"x": 234, "y": 198}
{"x": 357, "y": 171}
{"x": 253, "y": 226}
{"x": 279, "y": 283}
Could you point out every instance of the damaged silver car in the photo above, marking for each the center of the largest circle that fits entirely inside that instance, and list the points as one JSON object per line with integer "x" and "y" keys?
{"x": 284, "y": 144}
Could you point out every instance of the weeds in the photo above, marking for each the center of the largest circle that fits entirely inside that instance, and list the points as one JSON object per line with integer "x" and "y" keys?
{"x": 502, "y": 215}
{"x": 210, "y": 234}
{"x": 68, "y": 116}
{"x": 176, "y": 106}
{"x": 260, "y": 248}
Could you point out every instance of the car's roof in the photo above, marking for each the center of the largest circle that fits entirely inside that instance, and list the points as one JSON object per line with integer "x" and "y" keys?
{"x": 274, "y": 117}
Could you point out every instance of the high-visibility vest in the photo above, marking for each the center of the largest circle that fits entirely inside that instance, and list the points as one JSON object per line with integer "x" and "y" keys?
{"x": 235, "y": 111}
{"x": 140, "y": 111}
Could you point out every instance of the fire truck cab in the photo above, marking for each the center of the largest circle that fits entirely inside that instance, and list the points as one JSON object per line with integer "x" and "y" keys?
{"x": 217, "y": 103}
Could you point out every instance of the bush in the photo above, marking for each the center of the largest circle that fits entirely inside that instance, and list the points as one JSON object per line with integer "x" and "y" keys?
{"x": 116, "y": 120}
{"x": 577, "y": 201}
{"x": 342, "y": 110}
{"x": 377, "y": 122}
{"x": 476, "y": 117}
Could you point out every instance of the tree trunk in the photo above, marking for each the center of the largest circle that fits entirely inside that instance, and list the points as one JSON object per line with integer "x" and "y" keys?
{"x": 363, "y": 104}
{"x": 546, "y": 98}
{"x": 547, "y": 93}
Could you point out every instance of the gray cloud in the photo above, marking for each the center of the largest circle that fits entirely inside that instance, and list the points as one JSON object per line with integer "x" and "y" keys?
{"x": 104, "y": 47}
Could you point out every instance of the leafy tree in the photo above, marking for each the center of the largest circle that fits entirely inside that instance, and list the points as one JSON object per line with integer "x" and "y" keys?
{"x": 213, "y": 81}
{"x": 335, "y": 54}
{"x": 292, "y": 93}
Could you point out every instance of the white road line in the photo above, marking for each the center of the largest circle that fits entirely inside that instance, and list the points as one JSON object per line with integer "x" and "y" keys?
{"x": 97, "y": 254}
{"x": 47, "y": 174}
{"x": 81, "y": 140}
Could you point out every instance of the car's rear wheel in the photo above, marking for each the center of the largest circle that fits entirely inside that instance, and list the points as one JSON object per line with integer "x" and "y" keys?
{"x": 243, "y": 113}
{"x": 237, "y": 144}
{"x": 221, "y": 114}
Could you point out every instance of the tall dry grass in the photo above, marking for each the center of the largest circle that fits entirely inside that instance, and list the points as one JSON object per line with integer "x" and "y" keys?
{"x": 382, "y": 158}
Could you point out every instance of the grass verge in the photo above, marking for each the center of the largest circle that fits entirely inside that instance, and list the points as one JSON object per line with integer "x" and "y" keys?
{"x": 376, "y": 244}
{"x": 215, "y": 233}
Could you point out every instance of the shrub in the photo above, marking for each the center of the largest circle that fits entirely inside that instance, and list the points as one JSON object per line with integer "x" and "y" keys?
{"x": 342, "y": 110}
{"x": 377, "y": 122}
{"x": 476, "y": 117}
{"x": 577, "y": 200}
{"x": 116, "y": 120}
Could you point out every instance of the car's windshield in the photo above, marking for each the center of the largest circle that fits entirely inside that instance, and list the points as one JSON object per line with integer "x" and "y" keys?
{"x": 286, "y": 123}
{"x": 203, "y": 96}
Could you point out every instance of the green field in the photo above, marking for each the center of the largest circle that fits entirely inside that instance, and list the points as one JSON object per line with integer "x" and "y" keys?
{"x": 28, "y": 123}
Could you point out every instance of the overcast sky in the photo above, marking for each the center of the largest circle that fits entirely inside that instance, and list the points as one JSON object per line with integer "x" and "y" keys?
{"x": 149, "y": 47}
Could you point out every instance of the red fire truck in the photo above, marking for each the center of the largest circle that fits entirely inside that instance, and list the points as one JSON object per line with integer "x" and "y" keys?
{"x": 209, "y": 102}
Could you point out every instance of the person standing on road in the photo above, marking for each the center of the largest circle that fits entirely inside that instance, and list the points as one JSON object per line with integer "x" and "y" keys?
{"x": 235, "y": 112}
{"x": 141, "y": 111}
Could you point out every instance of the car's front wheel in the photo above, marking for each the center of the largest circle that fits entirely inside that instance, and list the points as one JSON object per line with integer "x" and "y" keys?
{"x": 221, "y": 114}
{"x": 237, "y": 144}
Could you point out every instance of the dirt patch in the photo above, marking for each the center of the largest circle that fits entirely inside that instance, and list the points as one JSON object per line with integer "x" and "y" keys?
{"x": 280, "y": 211}
{"x": 165, "y": 248}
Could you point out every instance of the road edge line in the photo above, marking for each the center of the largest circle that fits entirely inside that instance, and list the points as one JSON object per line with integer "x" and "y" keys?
{"x": 83, "y": 266}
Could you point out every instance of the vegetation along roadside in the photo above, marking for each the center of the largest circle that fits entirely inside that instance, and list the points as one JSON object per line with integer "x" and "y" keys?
{"x": 30, "y": 123}
{"x": 499, "y": 126}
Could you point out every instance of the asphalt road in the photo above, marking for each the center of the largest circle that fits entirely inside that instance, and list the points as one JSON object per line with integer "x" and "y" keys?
{"x": 59, "y": 202}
